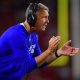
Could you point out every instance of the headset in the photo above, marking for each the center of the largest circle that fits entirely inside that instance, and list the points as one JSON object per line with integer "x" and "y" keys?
{"x": 31, "y": 13}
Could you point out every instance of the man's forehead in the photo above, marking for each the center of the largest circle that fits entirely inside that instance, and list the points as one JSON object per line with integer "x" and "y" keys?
{"x": 42, "y": 12}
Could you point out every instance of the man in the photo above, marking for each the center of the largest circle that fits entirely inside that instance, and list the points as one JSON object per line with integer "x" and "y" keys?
{"x": 19, "y": 49}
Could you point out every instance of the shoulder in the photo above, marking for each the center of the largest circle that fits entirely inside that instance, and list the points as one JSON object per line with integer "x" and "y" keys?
{"x": 13, "y": 31}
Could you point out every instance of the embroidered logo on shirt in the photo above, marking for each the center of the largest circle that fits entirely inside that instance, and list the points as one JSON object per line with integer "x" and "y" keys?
{"x": 31, "y": 48}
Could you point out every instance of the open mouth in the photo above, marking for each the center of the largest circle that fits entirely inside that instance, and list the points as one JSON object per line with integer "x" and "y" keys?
{"x": 44, "y": 27}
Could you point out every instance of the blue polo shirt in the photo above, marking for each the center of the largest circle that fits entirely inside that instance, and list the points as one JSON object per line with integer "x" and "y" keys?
{"x": 17, "y": 51}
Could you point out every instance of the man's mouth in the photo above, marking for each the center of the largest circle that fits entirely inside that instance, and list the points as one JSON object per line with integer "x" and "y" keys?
{"x": 44, "y": 26}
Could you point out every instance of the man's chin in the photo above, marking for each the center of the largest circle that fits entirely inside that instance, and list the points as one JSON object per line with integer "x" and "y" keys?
{"x": 43, "y": 29}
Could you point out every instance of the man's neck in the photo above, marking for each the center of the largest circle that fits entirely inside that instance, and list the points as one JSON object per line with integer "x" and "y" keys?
{"x": 27, "y": 26}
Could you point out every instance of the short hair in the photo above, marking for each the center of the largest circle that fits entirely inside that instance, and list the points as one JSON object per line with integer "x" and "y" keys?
{"x": 31, "y": 12}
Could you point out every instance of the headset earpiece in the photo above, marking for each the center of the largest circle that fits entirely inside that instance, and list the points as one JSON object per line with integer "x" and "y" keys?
{"x": 31, "y": 16}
